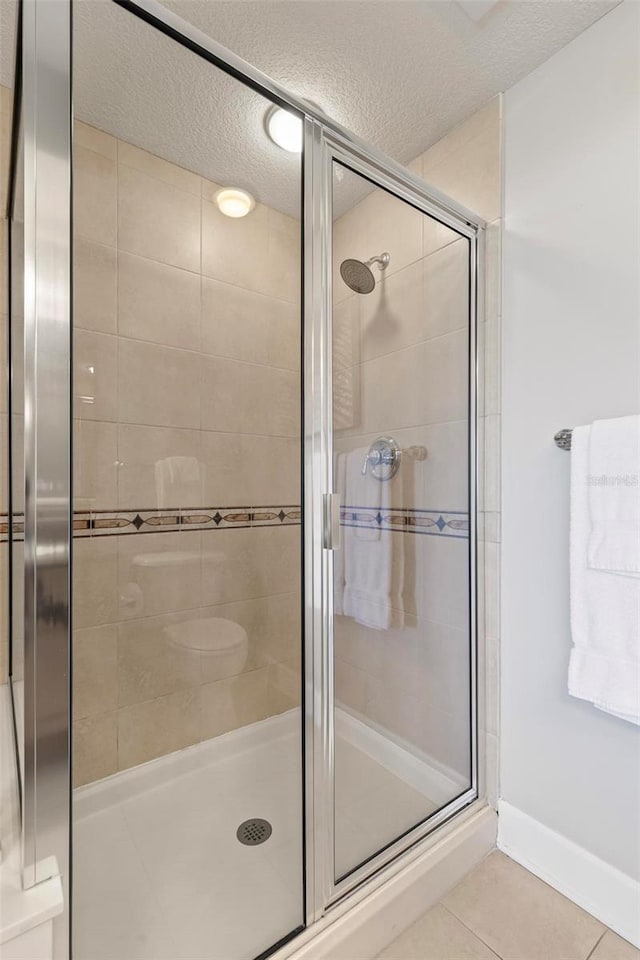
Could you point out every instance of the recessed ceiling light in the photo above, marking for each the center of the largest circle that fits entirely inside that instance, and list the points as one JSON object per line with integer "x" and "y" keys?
{"x": 285, "y": 129}
{"x": 234, "y": 202}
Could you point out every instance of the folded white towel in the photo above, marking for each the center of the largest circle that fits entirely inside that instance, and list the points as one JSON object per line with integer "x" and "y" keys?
{"x": 373, "y": 557}
{"x": 614, "y": 495}
{"x": 605, "y": 610}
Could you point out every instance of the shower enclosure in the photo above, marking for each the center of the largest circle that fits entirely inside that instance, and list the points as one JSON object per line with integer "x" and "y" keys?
{"x": 243, "y": 531}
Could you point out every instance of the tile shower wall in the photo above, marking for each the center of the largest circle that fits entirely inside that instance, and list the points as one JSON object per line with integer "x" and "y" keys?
{"x": 413, "y": 329}
{"x": 186, "y": 395}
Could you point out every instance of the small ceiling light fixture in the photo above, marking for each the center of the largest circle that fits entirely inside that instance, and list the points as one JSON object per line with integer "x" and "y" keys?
{"x": 285, "y": 129}
{"x": 234, "y": 202}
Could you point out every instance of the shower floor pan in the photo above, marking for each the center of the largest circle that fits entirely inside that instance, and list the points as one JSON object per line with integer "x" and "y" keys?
{"x": 159, "y": 873}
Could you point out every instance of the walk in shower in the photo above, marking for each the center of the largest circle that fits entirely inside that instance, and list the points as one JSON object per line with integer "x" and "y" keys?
{"x": 243, "y": 531}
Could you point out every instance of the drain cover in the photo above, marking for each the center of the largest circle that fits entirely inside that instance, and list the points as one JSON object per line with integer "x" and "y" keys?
{"x": 253, "y": 832}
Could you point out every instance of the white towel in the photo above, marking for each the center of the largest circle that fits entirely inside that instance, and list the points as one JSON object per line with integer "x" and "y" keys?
{"x": 373, "y": 557}
{"x": 614, "y": 496}
{"x": 604, "y": 666}
{"x": 340, "y": 487}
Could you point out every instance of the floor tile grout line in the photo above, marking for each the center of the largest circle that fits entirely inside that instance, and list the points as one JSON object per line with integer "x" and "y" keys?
{"x": 597, "y": 943}
{"x": 467, "y": 927}
{"x": 493, "y": 950}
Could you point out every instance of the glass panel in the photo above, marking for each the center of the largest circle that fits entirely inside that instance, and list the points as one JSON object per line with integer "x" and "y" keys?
{"x": 401, "y": 575}
{"x": 187, "y": 493}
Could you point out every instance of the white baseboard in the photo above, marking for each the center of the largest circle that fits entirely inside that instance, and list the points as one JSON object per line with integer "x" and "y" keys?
{"x": 608, "y": 894}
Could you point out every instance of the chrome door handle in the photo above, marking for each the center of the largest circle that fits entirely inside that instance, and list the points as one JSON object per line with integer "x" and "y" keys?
{"x": 332, "y": 521}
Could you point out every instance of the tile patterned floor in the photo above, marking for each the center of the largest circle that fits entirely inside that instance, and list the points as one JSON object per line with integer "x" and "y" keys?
{"x": 500, "y": 911}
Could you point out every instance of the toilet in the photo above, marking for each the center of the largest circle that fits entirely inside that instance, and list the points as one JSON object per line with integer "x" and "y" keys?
{"x": 223, "y": 645}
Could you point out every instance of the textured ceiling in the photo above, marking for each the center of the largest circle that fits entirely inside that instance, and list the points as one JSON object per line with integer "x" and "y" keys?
{"x": 400, "y": 73}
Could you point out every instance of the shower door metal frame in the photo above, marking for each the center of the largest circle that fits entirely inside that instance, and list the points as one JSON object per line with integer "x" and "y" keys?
{"x": 48, "y": 503}
{"x": 42, "y": 101}
{"x": 323, "y": 147}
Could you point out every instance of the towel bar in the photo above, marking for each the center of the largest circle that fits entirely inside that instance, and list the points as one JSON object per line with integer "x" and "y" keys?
{"x": 563, "y": 438}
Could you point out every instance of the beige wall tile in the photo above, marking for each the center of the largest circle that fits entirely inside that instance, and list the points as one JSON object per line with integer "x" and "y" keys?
{"x": 245, "y": 325}
{"x": 422, "y": 384}
{"x": 446, "y": 289}
{"x": 284, "y": 687}
{"x": 493, "y": 254}
{"x": 245, "y": 470}
{"x": 157, "y": 221}
{"x": 95, "y": 380}
{"x": 236, "y": 702}
{"x": 548, "y": 925}
{"x": 429, "y": 660}
{"x": 95, "y": 465}
{"x": 267, "y": 404}
{"x": 485, "y": 120}
{"x": 158, "y": 302}
{"x": 381, "y": 223}
{"x": 249, "y": 563}
{"x": 6, "y": 109}
{"x": 95, "y": 286}
{"x": 471, "y": 175}
{"x": 95, "y": 671}
{"x": 154, "y": 166}
{"x": 158, "y": 573}
{"x": 157, "y": 727}
{"x": 393, "y": 316}
{"x": 94, "y": 139}
{"x": 435, "y": 235}
{"x": 350, "y": 686}
{"x": 94, "y": 196}
{"x": 95, "y": 748}
{"x": 489, "y": 462}
{"x": 94, "y": 581}
{"x": 435, "y": 585}
{"x": 158, "y": 385}
{"x": 4, "y": 448}
{"x": 394, "y": 227}
{"x": 146, "y": 478}
{"x": 150, "y": 663}
{"x": 260, "y": 252}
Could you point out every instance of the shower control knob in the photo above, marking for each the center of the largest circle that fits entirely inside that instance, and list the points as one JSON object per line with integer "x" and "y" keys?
{"x": 383, "y": 459}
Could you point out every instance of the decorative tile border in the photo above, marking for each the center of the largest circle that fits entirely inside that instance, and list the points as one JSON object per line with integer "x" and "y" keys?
{"x": 114, "y": 523}
{"x": 433, "y": 523}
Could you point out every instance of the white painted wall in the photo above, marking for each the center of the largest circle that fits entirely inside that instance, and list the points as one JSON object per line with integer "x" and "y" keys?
{"x": 571, "y": 352}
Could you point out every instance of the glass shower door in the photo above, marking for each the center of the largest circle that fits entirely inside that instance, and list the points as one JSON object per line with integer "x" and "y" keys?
{"x": 402, "y": 641}
{"x": 187, "y": 764}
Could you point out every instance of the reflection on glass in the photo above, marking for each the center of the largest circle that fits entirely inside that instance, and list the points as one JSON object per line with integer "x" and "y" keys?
{"x": 187, "y": 507}
{"x": 401, "y": 582}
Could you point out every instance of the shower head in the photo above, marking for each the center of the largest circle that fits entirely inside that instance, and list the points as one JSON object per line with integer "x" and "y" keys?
{"x": 358, "y": 276}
